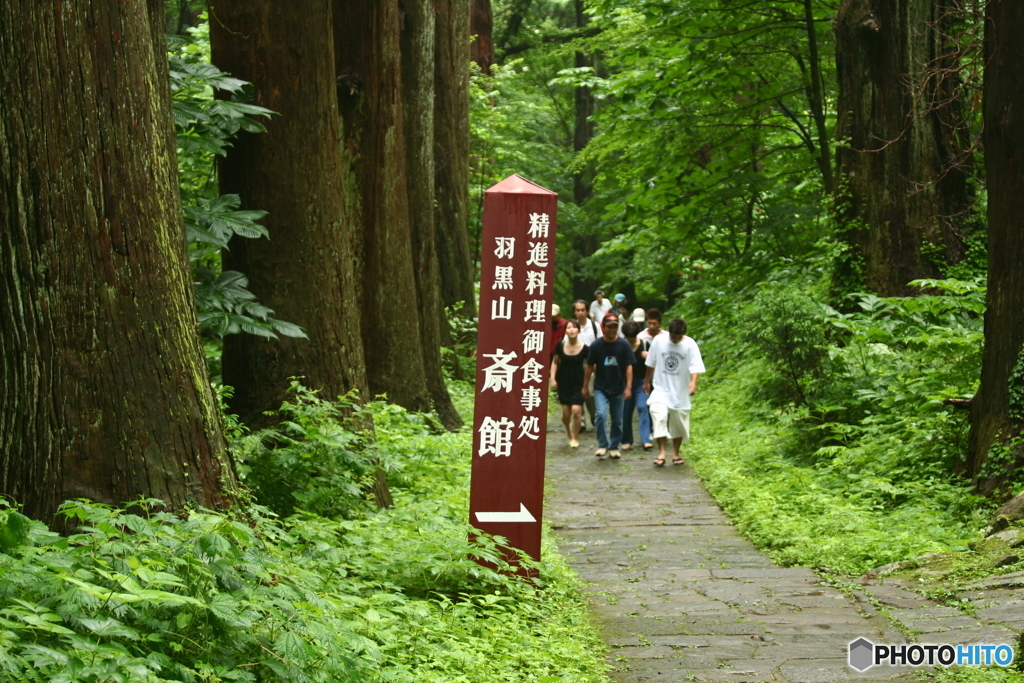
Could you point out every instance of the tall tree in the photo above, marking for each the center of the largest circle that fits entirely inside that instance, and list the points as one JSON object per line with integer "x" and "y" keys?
{"x": 418, "y": 43}
{"x": 903, "y": 194}
{"x": 996, "y": 448}
{"x": 587, "y": 242}
{"x": 451, "y": 150}
{"x": 481, "y": 27}
{"x": 105, "y": 390}
{"x": 369, "y": 75}
{"x": 306, "y": 271}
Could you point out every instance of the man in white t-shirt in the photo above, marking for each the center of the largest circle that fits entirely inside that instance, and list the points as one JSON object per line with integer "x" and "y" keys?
{"x": 600, "y": 307}
{"x": 673, "y": 365}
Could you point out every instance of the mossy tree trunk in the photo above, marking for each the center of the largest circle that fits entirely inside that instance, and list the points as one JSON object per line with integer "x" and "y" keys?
{"x": 418, "y": 42}
{"x": 369, "y": 75}
{"x": 451, "y": 151}
{"x": 902, "y": 186}
{"x": 997, "y": 413}
{"x": 104, "y": 392}
{"x": 307, "y": 270}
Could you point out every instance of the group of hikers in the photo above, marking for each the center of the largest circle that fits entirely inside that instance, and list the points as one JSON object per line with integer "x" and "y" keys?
{"x": 616, "y": 368}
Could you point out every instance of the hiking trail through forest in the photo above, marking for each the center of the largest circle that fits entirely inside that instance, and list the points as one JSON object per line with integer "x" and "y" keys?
{"x": 679, "y": 595}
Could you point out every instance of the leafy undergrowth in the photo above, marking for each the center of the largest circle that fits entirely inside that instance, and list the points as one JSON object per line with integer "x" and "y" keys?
{"x": 986, "y": 674}
{"x": 391, "y": 595}
{"x": 848, "y": 516}
{"x": 829, "y": 437}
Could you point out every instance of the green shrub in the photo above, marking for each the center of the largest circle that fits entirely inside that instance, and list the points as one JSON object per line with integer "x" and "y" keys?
{"x": 321, "y": 459}
{"x": 392, "y": 595}
{"x": 790, "y": 332}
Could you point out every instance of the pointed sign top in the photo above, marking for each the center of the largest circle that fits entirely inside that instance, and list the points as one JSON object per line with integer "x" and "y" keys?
{"x": 516, "y": 184}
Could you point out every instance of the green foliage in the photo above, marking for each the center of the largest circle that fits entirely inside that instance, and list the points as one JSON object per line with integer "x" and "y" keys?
{"x": 872, "y": 501}
{"x": 789, "y": 330}
{"x": 205, "y": 126}
{"x": 707, "y": 146}
{"x": 1015, "y": 388}
{"x": 868, "y": 477}
{"x": 390, "y": 595}
{"x": 320, "y": 459}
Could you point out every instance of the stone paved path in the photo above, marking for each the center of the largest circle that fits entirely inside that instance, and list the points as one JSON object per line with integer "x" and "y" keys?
{"x": 679, "y": 595}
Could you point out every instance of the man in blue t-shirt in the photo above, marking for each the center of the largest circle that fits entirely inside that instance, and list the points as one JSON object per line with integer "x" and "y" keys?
{"x": 610, "y": 362}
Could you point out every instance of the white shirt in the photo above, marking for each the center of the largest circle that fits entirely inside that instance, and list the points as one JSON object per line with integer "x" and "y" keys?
{"x": 673, "y": 364}
{"x": 598, "y": 310}
{"x": 587, "y": 334}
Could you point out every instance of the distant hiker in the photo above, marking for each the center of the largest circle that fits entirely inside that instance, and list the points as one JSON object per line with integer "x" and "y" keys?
{"x": 600, "y": 307}
{"x": 639, "y": 399}
{"x": 588, "y": 328}
{"x": 610, "y": 362}
{"x": 567, "y": 373}
{"x": 621, "y": 305}
{"x": 673, "y": 365}
{"x": 653, "y": 325}
{"x": 557, "y": 327}
{"x": 588, "y": 333}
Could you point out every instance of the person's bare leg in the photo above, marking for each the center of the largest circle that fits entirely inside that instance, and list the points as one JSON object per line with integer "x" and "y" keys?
{"x": 577, "y": 420}
{"x": 565, "y": 420}
{"x": 661, "y": 449}
{"x": 677, "y": 459}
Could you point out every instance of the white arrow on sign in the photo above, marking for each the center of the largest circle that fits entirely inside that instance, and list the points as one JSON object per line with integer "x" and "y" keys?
{"x": 522, "y": 516}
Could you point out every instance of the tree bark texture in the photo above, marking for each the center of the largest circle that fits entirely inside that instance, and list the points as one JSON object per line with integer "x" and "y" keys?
{"x": 306, "y": 271}
{"x": 902, "y": 193}
{"x": 418, "y": 40}
{"x": 105, "y": 393}
{"x": 995, "y": 448}
{"x": 368, "y": 65}
{"x": 481, "y": 28}
{"x": 451, "y": 151}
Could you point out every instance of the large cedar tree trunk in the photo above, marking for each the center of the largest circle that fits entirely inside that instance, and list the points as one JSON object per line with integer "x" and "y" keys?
{"x": 418, "y": 106}
{"x": 481, "y": 27}
{"x": 369, "y": 72}
{"x": 997, "y": 413}
{"x": 902, "y": 191}
{"x": 104, "y": 392}
{"x": 451, "y": 151}
{"x": 306, "y": 270}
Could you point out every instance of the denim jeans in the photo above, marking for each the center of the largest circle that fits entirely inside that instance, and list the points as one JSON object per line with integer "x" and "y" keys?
{"x": 639, "y": 401}
{"x": 608, "y": 404}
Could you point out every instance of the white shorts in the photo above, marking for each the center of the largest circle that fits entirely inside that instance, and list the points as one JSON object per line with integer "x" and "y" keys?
{"x": 666, "y": 422}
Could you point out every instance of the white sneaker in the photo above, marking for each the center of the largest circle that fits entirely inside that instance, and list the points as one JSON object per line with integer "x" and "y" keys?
{"x": 614, "y": 454}
{"x": 600, "y": 452}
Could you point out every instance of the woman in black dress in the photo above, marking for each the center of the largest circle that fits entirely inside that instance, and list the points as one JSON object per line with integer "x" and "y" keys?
{"x": 567, "y": 370}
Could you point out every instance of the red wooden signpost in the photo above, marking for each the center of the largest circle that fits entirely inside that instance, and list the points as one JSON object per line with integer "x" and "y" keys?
{"x": 517, "y": 268}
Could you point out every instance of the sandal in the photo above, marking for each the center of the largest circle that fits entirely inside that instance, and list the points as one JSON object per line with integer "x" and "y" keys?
{"x": 659, "y": 462}
{"x": 648, "y": 446}
{"x": 678, "y": 461}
